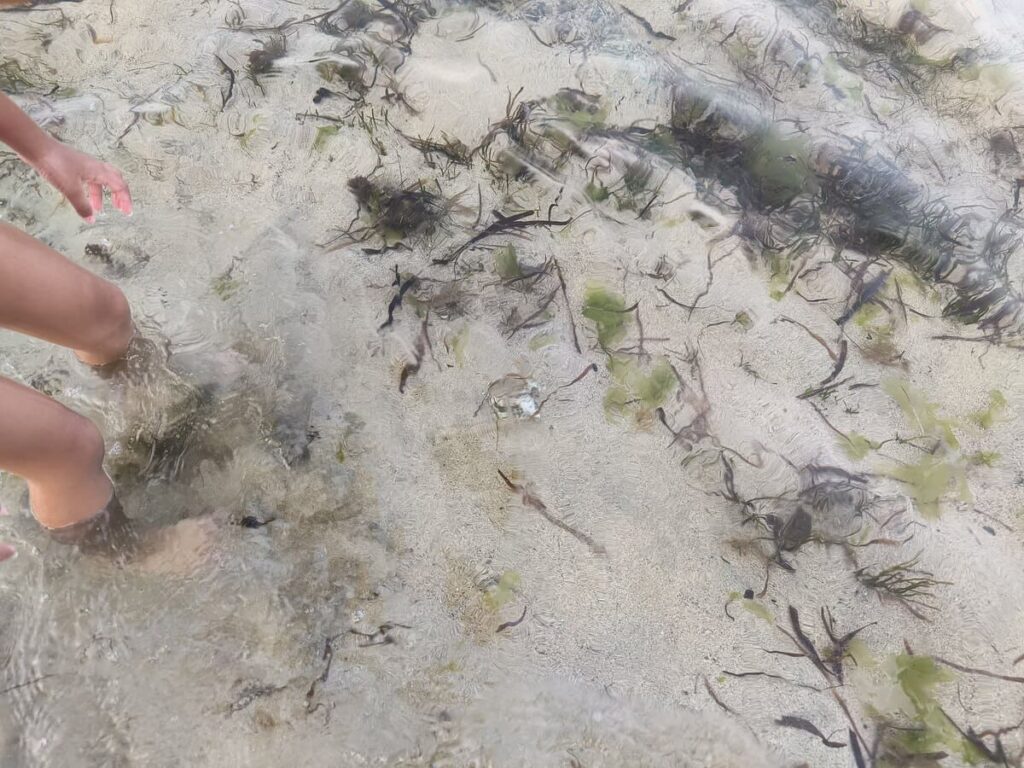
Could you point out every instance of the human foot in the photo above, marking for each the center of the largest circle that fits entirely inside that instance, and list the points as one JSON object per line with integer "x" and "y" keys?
{"x": 178, "y": 550}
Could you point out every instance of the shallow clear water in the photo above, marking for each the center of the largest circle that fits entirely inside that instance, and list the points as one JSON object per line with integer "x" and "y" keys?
{"x": 513, "y": 518}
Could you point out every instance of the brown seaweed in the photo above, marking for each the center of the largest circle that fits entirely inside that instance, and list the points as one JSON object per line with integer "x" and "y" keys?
{"x": 530, "y": 500}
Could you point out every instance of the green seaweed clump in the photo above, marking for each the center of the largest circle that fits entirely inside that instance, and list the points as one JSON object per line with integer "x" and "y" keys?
{"x": 14, "y": 78}
{"x": 925, "y": 730}
{"x": 506, "y": 263}
{"x": 394, "y": 214}
{"x": 500, "y": 594}
{"x": 856, "y": 446}
{"x": 224, "y": 285}
{"x": 928, "y": 481}
{"x": 608, "y": 312}
{"x": 581, "y": 109}
{"x": 638, "y": 392}
{"x": 879, "y": 334}
{"x": 930, "y": 477}
{"x": 780, "y": 166}
{"x": 987, "y": 417}
{"x": 323, "y": 133}
{"x": 921, "y": 414}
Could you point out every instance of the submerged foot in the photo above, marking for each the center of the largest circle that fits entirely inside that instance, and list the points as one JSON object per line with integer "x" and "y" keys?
{"x": 178, "y": 550}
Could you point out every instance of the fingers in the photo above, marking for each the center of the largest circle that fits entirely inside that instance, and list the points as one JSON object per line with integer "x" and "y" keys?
{"x": 96, "y": 197}
{"x": 119, "y": 193}
{"x": 75, "y": 193}
{"x": 6, "y": 551}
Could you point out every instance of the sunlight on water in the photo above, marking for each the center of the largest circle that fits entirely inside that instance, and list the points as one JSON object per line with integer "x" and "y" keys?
{"x": 534, "y": 383}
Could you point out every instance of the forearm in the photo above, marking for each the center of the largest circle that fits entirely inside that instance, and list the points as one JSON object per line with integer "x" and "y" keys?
{"x": 20, "y": 133}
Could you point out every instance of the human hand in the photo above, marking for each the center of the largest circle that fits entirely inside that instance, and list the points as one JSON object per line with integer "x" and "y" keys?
{"x": 6, "y": 551}
{"x": 82, "y": 178}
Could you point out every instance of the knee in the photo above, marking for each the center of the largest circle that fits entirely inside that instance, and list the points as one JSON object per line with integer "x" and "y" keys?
{"x": 110, "y": 323}
{"x": 81, "y": 445}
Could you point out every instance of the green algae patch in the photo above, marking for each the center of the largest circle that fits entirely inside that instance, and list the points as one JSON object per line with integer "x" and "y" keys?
{"x": 638, "y": 391}
{"x": 984, "y": 458}
{"x": 988, "y": 416}
{"x": 224, "y": 285}
{"x": 780, "y": 165}
{"x": 608, "y": 312}
{"x": 501, "y": 594}
{"x": 542, "y": 340}
{"x": 597, "y": 192}
{"x": 323, "y": 134}
{"x": 879, "y": 331}
{"x": 506, "y": 263}
{"x": 751, "y": 606}
{"x": 920, "y": 413}
{"x": 929, "y": 480}
{"x": 582, "y": 110}
{"x": 856, "y": 446}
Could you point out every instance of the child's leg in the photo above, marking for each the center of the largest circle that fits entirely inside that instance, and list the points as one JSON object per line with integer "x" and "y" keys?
{"x": 45, "y": 295}
{"x": 57, "y": 451}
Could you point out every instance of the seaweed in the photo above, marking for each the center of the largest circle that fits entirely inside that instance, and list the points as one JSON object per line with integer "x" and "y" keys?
{"x": 512, "y": 223}
{"x": 263, "y": 60}
{"x": 639, "y": 391}
{"x": 903, "y": 581}
{"x": 532, "y": 501}
{"x": 987, "y": 417}
{"x": 510, "y": 624}
{"x": 13, "y": 77}
{"x": 453, "y": 150}
{"x": 394, "y": 214}
{"x": 351, "y": 74}
{"x": 608, "y": 312}
{"x": 396, "y": 301}
{"x": 799, "y": 723}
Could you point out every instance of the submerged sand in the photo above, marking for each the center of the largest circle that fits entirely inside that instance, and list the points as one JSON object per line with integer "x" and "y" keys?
{"x": 406, "y": 606}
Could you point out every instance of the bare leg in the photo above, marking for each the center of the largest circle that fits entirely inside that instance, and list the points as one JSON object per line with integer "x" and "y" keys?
{"x": 46, "y": 296}
{"x": 58, "y": 452}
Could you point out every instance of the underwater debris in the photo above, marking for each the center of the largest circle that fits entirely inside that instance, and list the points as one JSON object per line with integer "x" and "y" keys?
{"x": 799, "y": 723}
{"x": 510, "y": 624}
{"x": 916, "y": 25}
{"x": 514, "y": 396}
{"x": 327, "y": 656}
{"x": 568, "y": 306}
{"x": 535, "y": 318}
{"x": 453, "y": 150}
{"x": 866, "y": 291}
{"x": 251, "y": 521}
{"x": 263, "y": 60}
{"x": 513, "y": 223}
{"x": 249, "y": 693}
{"x": 904, "y": 582}
{"x": 13, "y": 77}
{"x": 650, "y": 30}
{"x": 420, "y": 347}
{"x": 714, "y": 697}
{"x": 396, "y": 301}
{"x": 394, "y": 214}
{"x": 608, "y": 312}
{"x": 592, "y": 368}
{"x": 535, "y": 503}
{"x": 349, "y": 73}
